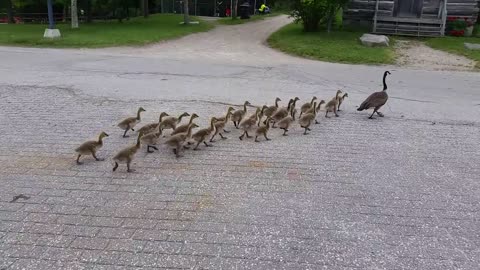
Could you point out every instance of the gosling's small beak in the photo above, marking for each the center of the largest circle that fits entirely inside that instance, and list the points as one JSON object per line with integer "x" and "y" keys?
{"x": 106, "y": 135}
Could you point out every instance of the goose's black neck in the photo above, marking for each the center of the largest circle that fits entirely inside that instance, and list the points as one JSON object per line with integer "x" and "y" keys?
{"x": 384, "y": 83}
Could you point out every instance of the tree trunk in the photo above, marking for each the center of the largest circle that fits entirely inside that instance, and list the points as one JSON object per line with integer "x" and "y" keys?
{"x": 186, "y": 16}
{"x": 10, "y": 12}
{"x": 145, "y": 8}
{"x": 74, "y": 14}
{"x": 89, "y": 11}
{"x": 64, "y": 16}
{"x": 331, "y": 16}
{"x": 234, "y": 9}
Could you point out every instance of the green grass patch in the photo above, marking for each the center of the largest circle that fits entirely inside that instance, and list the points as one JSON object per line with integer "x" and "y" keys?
{"x": 456, "y": 45}
{"x": 341, "y": 46}
{"x": 136, "y": 31}
{"x": 253, "y": 18}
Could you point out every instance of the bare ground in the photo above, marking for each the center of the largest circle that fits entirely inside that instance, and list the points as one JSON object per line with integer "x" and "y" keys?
{"x": 415, "y": 54}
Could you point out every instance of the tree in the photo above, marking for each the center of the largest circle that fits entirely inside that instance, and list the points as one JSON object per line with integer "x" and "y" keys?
{"x": 312, "y": 13}
{"x": 10, "y": 17}
{"x": 186, "y": 16}
{"x": 74, "y": 14}
{"x": 145, "y": 8}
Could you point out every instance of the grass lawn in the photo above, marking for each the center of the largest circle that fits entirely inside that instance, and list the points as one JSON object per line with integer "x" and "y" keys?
{"x": 136, "y": 31}
{"x": 339, "y": 46}
{"x": 229, "y": 21}
{"x": 455, "y": 45}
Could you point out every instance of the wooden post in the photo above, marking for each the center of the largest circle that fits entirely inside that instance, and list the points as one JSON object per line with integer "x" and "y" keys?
{"x": 375, "y": 17}
{"x": 444, "y": 18}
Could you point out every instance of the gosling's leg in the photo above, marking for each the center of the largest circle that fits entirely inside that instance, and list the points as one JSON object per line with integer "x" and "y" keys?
{"x": 95, "y": 157}
{"x": 305, "y": 132}
{"x": 221, "y": 136}
{"x": 196, "y": 146}
{"x": 371, "y": 116}
{"x": 285, "y": 132}
{"x": 256, "y": 139}
{"x": 125, "y": 133}
{"x": 248, "y": 136}
{"x": 380, "y": 114}
{"x": 226, "y": 131}
{"x": 326, "y": 114}
{"x": 128, "y": 167}
{"x": 116, "y": 166}
{"x": 148, "y": 149}
{"x": 300, "y": 116}
{"x": 335, "y": 111}
{"x": 206, "y": 144}
{"x": 211, "y": 139}
{"x": 78, "y": 160}
{"x": 266, "y": 138}
{"x": 241, "y": 136}
{"x": 316, "y": 122}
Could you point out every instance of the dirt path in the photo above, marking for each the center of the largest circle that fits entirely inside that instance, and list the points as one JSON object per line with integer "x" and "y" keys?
{"x": 415, "y": 54}
{"x": 240, "y": 43}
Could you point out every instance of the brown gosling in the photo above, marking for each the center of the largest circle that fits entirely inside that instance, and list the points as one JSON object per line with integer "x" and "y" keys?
{"x": 307, "y": 119}
{"x": 202, "y": 135}
{"x": 151, "y": 139}
{"x": 220, "y": 127}
{"x": 376, "y": 100}
{"x": 248, "y": 124}
{"x": 294, "y": 111}
{"x": 151, "y": 127}
{"x": 332, "y": 105}
{"x": 281, "y": 113}
{"x": 177, "y": 141}
{"x": 269, "y": 111}
{"x": 263, "y": 130}
{"x": 129, "y": 123}
{"x": 91, "y": 148}
{"x": 285, "y": 124}
{"x": 183, "y": 128}
{"x": 261, "y": 114}
{"x": 316, "y": 109}
{"x": 127, "y": 154}
{"x": 340, "y": 100}
{"x": 238, "y": 115}
{"x": 307, "y": 106}
{"x": 171, "y": 122}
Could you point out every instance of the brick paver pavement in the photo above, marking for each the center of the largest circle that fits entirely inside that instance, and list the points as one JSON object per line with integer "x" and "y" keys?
{"x": 400, "y": 192}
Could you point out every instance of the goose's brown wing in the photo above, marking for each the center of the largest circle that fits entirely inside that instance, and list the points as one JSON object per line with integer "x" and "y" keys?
{"x": 374, "y": 100}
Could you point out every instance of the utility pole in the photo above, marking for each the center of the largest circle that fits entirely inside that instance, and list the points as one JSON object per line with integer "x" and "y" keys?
{"x": 51, "y": 32}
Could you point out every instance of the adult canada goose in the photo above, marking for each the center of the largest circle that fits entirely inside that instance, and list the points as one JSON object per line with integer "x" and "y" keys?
{"x": 129, "y": 123}
{"x": 238, "y": 115}
{"x": 376, "y": 100}
{"x": 151, "y": 127}
{"x": 127, "y": 154}
{"x": 305, "y": 107}
{"x": 91, "y": 148}
{"x": 340, "y": 100}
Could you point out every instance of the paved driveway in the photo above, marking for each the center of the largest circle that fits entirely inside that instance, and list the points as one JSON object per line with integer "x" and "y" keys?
{"x": 400, "y": 192}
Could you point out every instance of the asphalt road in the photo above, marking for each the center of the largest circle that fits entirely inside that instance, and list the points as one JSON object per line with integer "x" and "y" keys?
{"x": 399, "y": 192}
